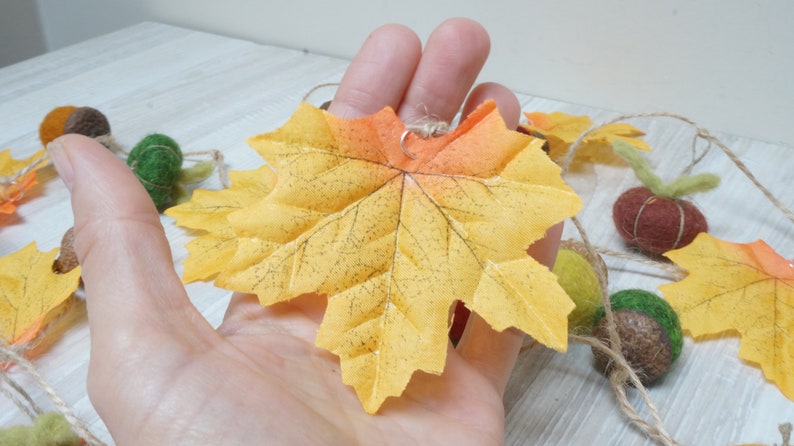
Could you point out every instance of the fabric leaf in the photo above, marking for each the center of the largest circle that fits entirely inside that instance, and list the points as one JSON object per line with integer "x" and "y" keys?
{"x": 31, "y": 295}
{"x": 14, "y": 181}
{"x": 394, "y": 242}
{"x": 208, "y": 212}
{"x": 561, "y": 130}
{"x": 742, "y": 288}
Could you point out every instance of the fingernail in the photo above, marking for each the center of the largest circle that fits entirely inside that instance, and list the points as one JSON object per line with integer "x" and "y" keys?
{"x": 61, "y": 161}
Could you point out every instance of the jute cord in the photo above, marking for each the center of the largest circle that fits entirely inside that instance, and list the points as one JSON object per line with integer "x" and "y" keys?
{"x": 8, "y": 354}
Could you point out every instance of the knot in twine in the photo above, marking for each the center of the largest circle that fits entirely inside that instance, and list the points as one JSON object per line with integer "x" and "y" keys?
{"x": 424, "y": 128}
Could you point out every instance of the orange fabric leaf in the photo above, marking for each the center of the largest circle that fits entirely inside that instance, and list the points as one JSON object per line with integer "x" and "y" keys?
{"x": 742, "y": 288}
{"x": 395, "y": 242}
{"x": 31, "y": 295}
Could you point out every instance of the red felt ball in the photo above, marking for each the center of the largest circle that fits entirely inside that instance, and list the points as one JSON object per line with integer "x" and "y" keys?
{"x": 656, "y": 224}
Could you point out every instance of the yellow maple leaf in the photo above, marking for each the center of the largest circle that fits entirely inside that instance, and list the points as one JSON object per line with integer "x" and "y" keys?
{"x": 208, "y": 211}
{"x": 741, "y": 288}
{"x": 31, "y": 294}
{"x": 13, "y": 181}
{"x": 561, "y": 130}
{"x": 394, "y": 242}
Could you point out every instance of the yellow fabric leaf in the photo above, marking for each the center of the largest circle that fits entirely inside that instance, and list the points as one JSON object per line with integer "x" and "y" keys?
{"x": 208, "y": 212}
{"x": 31, "y": 295}
{"x": 561, "y": 130}
{"x": 394, "y": 242}
{"x": 13, "y": 181}
{"x": 740, "y": 288}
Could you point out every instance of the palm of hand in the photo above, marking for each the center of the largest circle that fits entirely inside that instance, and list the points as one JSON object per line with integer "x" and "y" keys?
{"x": 262, "y": 381}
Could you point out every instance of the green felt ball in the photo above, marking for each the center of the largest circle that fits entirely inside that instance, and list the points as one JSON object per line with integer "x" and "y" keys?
{"x": 578, "y": 278}
{"x": 48, "y": 429}
{"x": 157, "y": 162}
{"x": 655, "y": 307}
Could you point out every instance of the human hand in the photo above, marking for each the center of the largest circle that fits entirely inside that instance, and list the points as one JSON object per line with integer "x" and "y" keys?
{"x": 160, "y": 374}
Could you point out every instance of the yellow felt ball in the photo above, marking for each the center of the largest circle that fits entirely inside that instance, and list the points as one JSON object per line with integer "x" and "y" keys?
{"x": 578, "y": 278}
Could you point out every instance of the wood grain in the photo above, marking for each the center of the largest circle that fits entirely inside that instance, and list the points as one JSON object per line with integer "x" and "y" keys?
{"x": 211, "y": 92}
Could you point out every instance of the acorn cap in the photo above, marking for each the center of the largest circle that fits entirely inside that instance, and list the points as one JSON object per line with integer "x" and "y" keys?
{"x": 67, "y": 259}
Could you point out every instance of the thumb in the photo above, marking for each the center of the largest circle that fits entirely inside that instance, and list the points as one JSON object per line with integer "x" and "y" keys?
{"x": 132, "y": 290}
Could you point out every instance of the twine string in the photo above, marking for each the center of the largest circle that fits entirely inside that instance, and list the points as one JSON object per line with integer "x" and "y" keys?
{"x": 29, "y": 411}
{"x": 623, "y": 373}
{"x": 785, "y": 432}
{"x": 318, "y": 87}
{"x": 218, "y": 161}
{"x": 79, "y": 427}
{"x": 110, "y": 142}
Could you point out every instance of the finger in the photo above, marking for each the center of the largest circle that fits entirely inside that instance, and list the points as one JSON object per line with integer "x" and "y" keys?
{"x": 245, "y": 308}
{"x": 379, "y": 74}
{"x": 453, "y": 57}
{"x": 131, "y": 287}
{"x": 494, "y": 353}
{"x": 506, "y": 102}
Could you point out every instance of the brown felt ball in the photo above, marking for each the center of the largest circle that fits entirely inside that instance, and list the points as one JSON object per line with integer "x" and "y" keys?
{"x": 87, "y": 121}
{"x": 644, "y": 344}
{"x": 656, "y": 224}
{"x": 52, "y": 125}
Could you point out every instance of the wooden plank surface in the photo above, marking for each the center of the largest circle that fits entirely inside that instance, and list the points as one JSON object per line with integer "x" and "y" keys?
{"x": 211, "y": 92}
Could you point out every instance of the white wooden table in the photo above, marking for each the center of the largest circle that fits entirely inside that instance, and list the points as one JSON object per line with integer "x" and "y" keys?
{"x": 209, "y": 92}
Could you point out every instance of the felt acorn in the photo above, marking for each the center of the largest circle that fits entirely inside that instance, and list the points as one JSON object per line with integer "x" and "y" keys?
{"x": 654, "y": 217}
{"x": 578, "y": 277}
{"x": 649, "y": 331}
{"x": 67, "y": 259}
{"x": 70, "y": 119}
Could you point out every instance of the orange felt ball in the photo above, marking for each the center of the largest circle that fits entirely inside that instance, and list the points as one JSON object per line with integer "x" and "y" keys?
{"x": 52, "y": 125}
{"x": 656, "y": 224}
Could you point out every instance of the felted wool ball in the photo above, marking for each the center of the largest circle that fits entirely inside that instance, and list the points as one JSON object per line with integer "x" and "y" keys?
{"x": 87, "y": 121}
{"x": 157, "y": 162}
{"x": 649, "y": 332}
{"x": 48, "y": 429}
{"x": 656, "y": 224}
{"x": 578, "y": 278}
{"x": 52, "y": 125}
